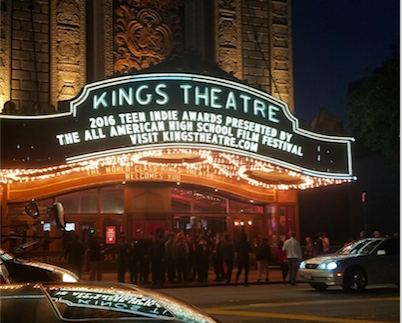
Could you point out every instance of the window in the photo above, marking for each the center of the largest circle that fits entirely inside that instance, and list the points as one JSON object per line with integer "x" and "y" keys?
{"x": 80, "y": 202}
{"x": 112, "y": 199}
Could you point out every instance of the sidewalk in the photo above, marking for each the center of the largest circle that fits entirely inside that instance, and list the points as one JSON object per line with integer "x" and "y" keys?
{"x": 275, "y": 277}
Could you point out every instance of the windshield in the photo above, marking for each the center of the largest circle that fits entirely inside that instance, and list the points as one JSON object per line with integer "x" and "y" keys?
{"x": 360, "y": 247}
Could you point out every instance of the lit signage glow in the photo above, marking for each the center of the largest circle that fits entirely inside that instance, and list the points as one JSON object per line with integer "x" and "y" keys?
{"x": 111, "y": 234}
{"x": 148, "y": 112}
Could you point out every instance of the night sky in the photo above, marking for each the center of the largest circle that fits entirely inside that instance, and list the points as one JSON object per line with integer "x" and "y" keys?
{"x": 334, "y": 42}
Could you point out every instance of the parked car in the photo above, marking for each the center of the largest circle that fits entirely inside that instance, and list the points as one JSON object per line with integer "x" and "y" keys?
{"x": 17, "y": 270}
{"x": 92, "y": 302}
{"x": 369, "y": 261}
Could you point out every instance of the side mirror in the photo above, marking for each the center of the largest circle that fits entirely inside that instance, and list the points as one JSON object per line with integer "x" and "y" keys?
{"x": 55, "y": 214}
{"x": 32, "y": 209}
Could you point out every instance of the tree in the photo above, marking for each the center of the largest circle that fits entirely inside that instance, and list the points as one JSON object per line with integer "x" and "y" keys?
{"x": 373, "y": 105}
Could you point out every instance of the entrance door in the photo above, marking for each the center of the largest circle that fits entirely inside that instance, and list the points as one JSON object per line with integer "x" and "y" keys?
{"x": 87, "y": 230}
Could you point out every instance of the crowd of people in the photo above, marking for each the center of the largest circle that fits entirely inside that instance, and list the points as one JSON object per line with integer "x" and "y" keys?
{"x": 173, "y": 257}
{"x": 177, "y": 257}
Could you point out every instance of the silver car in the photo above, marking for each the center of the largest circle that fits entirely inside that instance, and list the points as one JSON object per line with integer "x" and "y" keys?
{"x": 369, "y": 261}
{"x": 92, "y": 302}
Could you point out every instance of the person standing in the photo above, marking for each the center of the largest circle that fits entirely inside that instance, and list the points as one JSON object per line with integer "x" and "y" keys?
{"x": 170, "y": 253}
{"x": 181, "y": 258}
{"x": 96, "y": 254}
{"x": 202, "y": 258}
{"x": 263, "y": 257}
{"x": 134, "y": 260}
{"x": 123, "y": 248}
{"x": 318, "y": 245}
{"x": 325, "y": 243}
{"x": 144, "y": 246}
{"x": 191, "y": 259}
{"x": 309, "y": 250}
{"x": 281, "y": 258}
{"x": 73, "y": 253}
{"x": 227, "y": 251}
{"x": 217, "y": 257}
{"x": 158, "y": 262}
{"x": 293, "y": 256}
{"x": 243, "y": 249}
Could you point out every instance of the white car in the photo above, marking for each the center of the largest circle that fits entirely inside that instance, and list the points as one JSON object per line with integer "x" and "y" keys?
{"x": 369, "y": 261}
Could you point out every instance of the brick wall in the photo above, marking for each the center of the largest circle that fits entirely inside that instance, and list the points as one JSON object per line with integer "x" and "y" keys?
{"x": 30, "y": 72}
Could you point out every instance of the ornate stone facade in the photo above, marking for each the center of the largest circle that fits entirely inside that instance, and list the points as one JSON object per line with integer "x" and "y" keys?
{"x": 228, "y": 36}
{"x": 68, "y": 49}
{"x": 5, "y": 52}
{"x": 145, "y": 33}
{"x": 136, "y": 34}
{"x": 281, "y": 50}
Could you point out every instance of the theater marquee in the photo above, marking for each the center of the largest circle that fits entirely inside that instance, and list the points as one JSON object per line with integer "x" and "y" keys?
{"x": 179, "y": 127}
{"x": 158, "y": 111}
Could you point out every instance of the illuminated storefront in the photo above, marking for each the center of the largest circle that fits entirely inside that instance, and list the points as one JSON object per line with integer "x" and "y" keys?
{"x": 174, "y": 150}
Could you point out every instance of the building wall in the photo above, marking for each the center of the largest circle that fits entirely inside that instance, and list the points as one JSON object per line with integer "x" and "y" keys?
{"x": 74, "y": 42}
{"x": 28, "y": 32}
{"x": 49, "y": 51}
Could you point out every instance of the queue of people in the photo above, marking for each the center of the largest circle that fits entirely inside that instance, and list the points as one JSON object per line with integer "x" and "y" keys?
{"x": 177, "y": 257}
{"x": 172, "y": 257}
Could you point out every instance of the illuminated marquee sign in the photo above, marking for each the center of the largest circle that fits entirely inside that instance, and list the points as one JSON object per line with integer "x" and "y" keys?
{"x": 147, "y": 112}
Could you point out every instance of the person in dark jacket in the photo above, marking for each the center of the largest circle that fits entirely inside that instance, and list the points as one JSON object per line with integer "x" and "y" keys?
{"x": 134, "y": 260}
{"x": 202, "y": 258}
{"x": 122, "y": 258}
{"x": 217, "y": 257}
{"x": 170, "y": 256}
{"x": 73, "y": 253}
{"x": 263, "y": 257}
{"x": 227, "y": 252}
{"x": 158, "y": 258}
{"x": 144, "y": 246}
{"x": 243, "y": 249}
{"x": 96, "y": 255}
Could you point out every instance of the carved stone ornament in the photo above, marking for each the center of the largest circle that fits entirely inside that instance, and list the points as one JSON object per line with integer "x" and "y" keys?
{"x": 68, "y": 49}
{"x": 229, "y": 39}
{"x": 146, "y": 32}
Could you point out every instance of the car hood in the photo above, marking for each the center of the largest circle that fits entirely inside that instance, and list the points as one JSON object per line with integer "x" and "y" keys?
{"x": 330, "y": 257}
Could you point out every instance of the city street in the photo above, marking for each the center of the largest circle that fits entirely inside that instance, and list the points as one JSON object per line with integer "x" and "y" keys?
{"x": 292, "y": 304}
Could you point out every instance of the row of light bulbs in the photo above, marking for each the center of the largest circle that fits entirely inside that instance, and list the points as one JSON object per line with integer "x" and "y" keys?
{"x": 222, "y": 164}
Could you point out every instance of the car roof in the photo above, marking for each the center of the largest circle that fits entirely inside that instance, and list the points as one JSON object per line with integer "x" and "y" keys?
{"x": 94, "y": 300}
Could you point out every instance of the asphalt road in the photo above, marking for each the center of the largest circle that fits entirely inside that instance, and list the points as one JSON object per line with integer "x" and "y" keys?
{"x": 292, "y": 304}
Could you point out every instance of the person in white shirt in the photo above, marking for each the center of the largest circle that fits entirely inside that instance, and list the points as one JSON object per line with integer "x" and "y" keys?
{"x": 293, "y": 257}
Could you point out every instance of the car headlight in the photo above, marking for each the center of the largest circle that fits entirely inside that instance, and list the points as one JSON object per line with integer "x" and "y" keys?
{"x": 302, "y": 265}
{"x": 328, "y": 266}
{"x": 67, "y": 278}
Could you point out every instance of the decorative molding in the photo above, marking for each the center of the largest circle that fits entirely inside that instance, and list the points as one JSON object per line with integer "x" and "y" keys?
{"x": 281, "y": 50}
{"x": 229, "y": 36}
{"x": 5, "y": 52}
{"x": 108, "y": 41}
{"x": 146, "y": 33}
{"x": 68, "y": 49}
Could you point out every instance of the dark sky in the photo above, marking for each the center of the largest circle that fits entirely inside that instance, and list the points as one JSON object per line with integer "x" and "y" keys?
{"x": 334, "y": 42}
